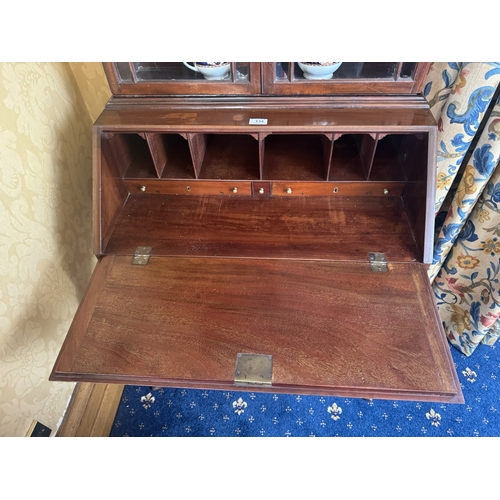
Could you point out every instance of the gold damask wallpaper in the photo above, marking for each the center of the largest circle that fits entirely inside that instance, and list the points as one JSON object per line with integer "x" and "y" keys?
{"x": 93, "y": 85}
{"x": 46, "y": 115}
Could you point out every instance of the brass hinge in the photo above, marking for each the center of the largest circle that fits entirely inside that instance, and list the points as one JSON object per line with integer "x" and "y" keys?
{"x": 253, "y": 369}
{"x": 378, "y": 262}
{"x": 141, "y": 256}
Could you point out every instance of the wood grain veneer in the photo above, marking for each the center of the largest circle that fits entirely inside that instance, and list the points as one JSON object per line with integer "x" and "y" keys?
{"x": 91, "y": 411}
{"x": 234, "y": 118}
{"x": 328, "y": 325}
{"x": 298, "y": 227}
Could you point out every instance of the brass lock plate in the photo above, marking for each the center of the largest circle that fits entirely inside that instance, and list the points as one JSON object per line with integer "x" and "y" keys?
{"x": 253, "y": 369}
{"x": 261, "y": 189}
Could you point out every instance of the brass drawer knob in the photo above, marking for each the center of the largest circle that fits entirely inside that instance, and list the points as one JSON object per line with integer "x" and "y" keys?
{"x": 261, "y": 191}
{"x": 235, "y": 190}
{"x": 289, "y": 190}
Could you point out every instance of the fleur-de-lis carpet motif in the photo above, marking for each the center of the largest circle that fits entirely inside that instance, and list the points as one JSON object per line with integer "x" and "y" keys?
{"x": 181, "y": 412}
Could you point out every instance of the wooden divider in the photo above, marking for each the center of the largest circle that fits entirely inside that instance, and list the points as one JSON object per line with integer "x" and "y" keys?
{"x": 293, "y": 156}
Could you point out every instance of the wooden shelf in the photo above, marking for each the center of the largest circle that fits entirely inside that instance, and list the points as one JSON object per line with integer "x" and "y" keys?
{"x": 230, "y": 157}
{"x": 295, "y": 157}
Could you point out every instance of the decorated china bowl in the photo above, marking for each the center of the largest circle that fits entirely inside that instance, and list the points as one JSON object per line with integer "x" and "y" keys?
{"x": 211, "y": 70}
{"x": 319, "y": 70}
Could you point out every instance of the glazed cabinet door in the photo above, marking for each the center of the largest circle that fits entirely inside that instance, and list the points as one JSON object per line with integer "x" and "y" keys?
{"x": 183, "y": 78}
{"x": 361, "y": 78}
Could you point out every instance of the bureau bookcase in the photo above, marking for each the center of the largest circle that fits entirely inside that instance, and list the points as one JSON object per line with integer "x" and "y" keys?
{"x": 265, "y": 232}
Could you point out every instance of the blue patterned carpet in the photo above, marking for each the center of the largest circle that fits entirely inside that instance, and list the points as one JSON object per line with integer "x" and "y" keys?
{"x": 181, "y": 412}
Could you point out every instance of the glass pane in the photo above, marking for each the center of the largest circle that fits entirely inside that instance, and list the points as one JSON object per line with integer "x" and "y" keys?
{"x": 191, "y": 71}
{"x": 242, "y": 72}
{"x": 147, "y": 71}
{"x": 407, "y": 69}
{"x": 282, "y": 71}
{"x": 357, "y": 70}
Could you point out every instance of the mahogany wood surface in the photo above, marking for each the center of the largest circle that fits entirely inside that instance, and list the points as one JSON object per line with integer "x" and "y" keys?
{"x": 346, "y": 162}
{"x": 292, "y": 227}
{"x": 339, "y": 189}
{"x": 420, "y": 76}
{"x": 159, "y": 148}
{"x": 386, "y": 159}
{"x": 179, "y": 163}
{"x": 276, "y": 188}
{"x": 191, "y": 187}
{"x": 332, "y": 328}
{"x": 230, "y": 157}
{"x": 91, "y": 410}
{"x": 327, "y": 150}
{"x": 284, "y": 152}
{"x": 416, "y": 200}
{"x": 367, "y": 147}
{"x": 198, "y": 148}
{"x": 234, "y": 118}
{"x": 109, "y": 194}
{"x": 294, "y": 157}
{"x": 358, "y": 101}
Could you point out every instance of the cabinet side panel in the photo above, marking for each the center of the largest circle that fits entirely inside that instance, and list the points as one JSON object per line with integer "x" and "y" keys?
{"x": 414, "y": 156}
{"x": 110, "y": 193}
